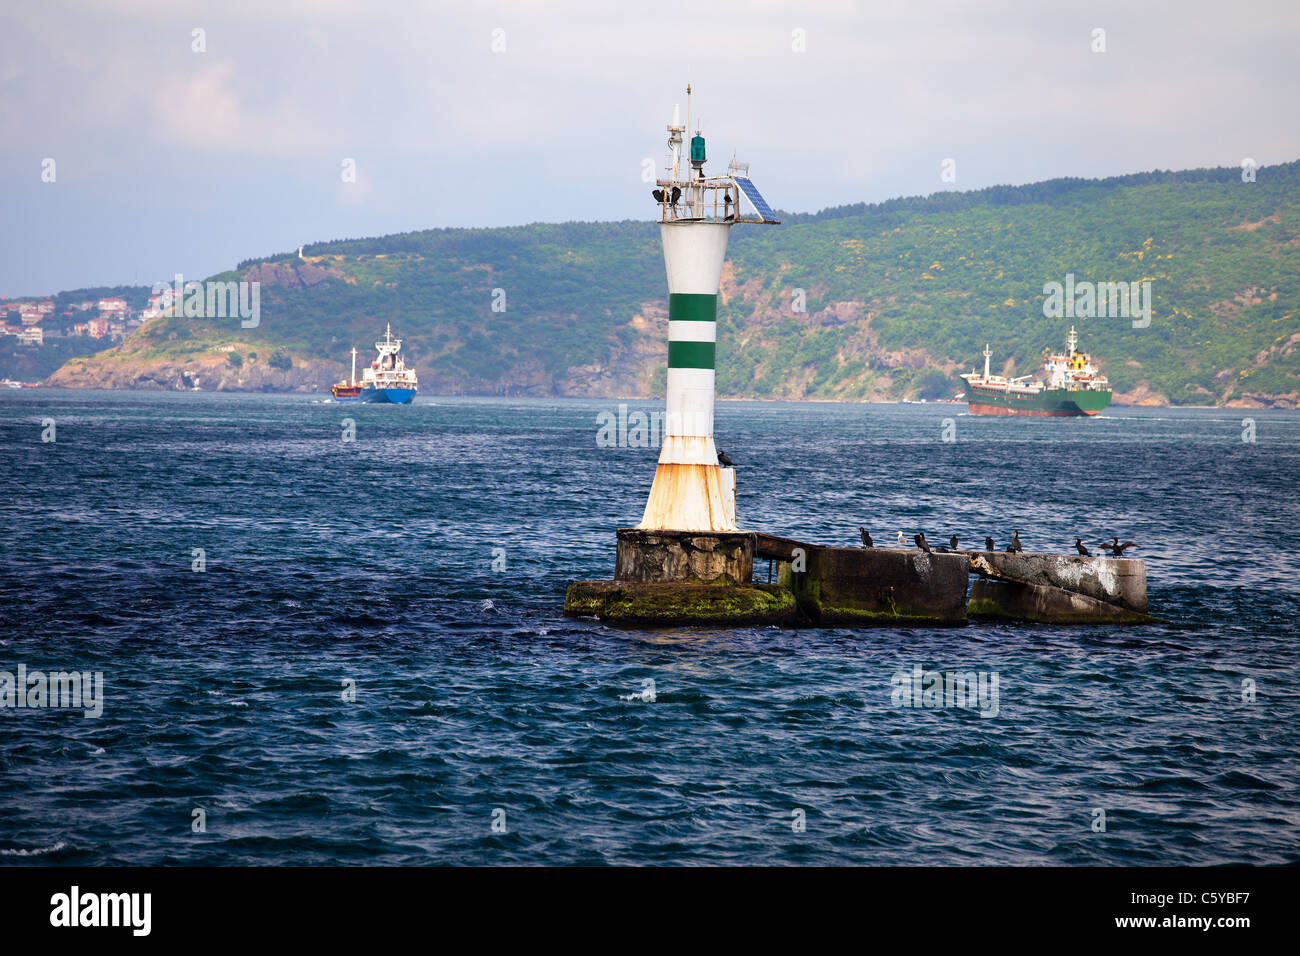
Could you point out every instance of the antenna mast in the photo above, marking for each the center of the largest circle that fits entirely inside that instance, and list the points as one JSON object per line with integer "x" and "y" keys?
{"x": 688, "y": 107}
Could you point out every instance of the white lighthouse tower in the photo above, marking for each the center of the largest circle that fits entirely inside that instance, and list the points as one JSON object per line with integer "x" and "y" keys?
{"x": 691, "y": 491}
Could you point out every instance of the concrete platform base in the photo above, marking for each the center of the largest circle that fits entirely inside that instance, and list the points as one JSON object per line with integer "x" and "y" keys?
{"x": 676, "y": 578}
{"x": 1044, "y": 604}
{"x": 685, "y": 557}
{"x": 1121, "y": 581}
{"x": 865, "y": 586}
{"x": 674, "y": 604}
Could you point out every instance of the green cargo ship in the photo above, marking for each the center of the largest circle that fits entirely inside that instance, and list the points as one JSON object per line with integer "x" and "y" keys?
{"x": 1073, "y": 386}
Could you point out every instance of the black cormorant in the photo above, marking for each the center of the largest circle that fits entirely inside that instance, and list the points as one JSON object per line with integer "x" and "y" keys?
{"x": 1116, "y": 549}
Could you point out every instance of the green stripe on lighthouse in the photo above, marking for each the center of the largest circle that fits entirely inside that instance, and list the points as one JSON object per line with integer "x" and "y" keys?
{"x": 691, "y": 354}
{"x": 692, "y": 307}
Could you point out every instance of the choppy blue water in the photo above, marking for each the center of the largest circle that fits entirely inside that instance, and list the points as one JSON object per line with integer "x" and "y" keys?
{"x": 373, "y": 562}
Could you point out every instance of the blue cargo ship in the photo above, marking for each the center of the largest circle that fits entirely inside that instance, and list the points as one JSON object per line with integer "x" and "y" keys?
{"x": 387, "y": 380}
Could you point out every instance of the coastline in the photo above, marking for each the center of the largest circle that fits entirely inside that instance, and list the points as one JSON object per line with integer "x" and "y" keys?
{"x": 323, "y": 394}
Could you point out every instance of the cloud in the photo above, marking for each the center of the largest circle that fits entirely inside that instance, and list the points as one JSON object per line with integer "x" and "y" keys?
{"x": 446, "y": 132}
{"x": 205, "y": 111}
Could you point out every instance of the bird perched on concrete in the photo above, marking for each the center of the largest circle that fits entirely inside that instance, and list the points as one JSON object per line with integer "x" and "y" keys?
{"x": 921, "y": 542}
{"x": 902, "y": 542}
{"x": 724, "y": 460}
{"x": 1015, "y": 546}
{"x": 1116, "y": 549}
{"x": 866, "y": 539}
{"x": 949, "y": 548}
{"x": 988, "y": 544}
{"x": 1081, "y": 549}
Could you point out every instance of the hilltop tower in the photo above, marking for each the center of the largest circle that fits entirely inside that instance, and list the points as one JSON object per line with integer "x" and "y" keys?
{"x": 691, "y": 491}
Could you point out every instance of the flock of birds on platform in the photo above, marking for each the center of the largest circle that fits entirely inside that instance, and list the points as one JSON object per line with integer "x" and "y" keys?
{"x": 1113, "y": 546}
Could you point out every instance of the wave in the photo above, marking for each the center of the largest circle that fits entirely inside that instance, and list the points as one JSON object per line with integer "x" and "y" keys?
{"x": 36, "y": 851}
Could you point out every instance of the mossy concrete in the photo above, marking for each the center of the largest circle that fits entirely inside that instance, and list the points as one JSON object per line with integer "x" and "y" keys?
{"x": 865, "y": 586}
{"x": 1012, "y": 600}
{"x": 676, "y": 578}
{"x": 676, "y": 604}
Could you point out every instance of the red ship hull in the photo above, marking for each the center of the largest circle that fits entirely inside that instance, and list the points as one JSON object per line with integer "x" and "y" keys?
{"x": 976, "y": 409}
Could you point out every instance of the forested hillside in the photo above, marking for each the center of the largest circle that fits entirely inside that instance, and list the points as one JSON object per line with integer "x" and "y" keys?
{"x": 898, "y": 297}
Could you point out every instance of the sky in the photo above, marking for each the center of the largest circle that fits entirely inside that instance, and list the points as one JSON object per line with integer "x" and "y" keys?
{"x": 186, "y": 136}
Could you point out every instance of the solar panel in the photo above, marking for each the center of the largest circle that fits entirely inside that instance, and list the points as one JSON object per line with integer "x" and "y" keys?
{"x": 760, "y": 204}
